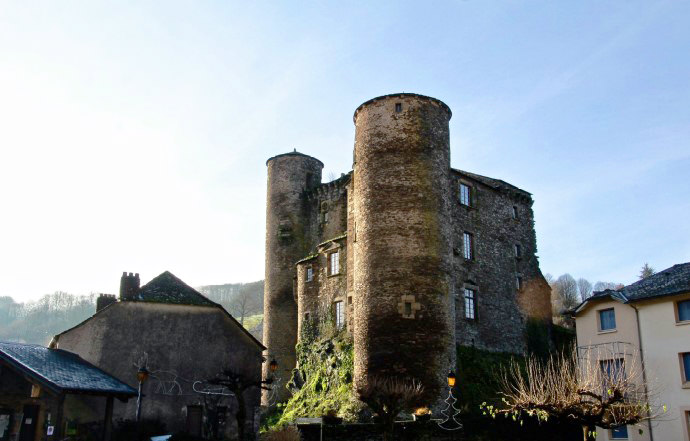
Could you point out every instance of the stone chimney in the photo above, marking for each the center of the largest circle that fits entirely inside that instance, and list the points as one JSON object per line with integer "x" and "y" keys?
{"x": 129, "y": 286}
{"x": 104, "y": 300}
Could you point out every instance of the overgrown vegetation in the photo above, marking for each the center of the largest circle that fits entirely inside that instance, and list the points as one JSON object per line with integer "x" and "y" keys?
{"x": 323, "y": 383}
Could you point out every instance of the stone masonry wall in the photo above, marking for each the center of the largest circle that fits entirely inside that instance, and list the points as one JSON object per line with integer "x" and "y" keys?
{"x": 288, "y": 239}
{"x": 402, "y": 255}
{"x": 494, "y": 269}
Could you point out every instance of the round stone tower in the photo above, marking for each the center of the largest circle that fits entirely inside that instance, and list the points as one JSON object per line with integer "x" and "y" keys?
{"x": 402, "y": 247}
{"x": 289, "y": 175}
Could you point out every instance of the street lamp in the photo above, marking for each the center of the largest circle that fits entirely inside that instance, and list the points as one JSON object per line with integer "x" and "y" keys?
{"x": 451, "y": 379}
{"x": 142, "y": 376}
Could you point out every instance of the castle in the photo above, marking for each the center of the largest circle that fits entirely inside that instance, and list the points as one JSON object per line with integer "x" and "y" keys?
{"x": 407, "y": 254}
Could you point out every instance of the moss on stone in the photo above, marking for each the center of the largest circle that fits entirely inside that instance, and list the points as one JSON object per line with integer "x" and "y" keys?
{"x": 326, "y": 364}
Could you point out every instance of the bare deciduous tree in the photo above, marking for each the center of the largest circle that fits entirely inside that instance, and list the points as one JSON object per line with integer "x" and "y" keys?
{"x": 245, "y": 303}
{"x": 602, "y": 286}
{"x": 586, "y": 387}
{"x": 584, "y": 288}
{"x": 566, "y": 289}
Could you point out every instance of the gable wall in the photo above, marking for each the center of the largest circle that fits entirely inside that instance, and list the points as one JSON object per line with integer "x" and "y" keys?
{"x": 192, "y": 342}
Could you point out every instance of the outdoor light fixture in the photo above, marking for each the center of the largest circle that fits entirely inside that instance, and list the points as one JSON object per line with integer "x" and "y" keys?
{"x": 451, "y": 379}
{"x": 273, "y": 365}
{"x": 142, "y": 374}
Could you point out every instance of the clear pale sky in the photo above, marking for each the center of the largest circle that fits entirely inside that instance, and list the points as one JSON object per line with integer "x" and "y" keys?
{"x": 134, "y": 135}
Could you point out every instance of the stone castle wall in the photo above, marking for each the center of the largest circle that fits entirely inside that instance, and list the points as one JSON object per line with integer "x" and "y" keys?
{"x": 288, "y": 239}
{"x": 402, "y": 255}
{"x": 501, "y": 308}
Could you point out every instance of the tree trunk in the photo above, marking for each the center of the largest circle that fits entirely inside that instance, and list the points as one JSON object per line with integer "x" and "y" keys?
{"x": 588, "y": 432}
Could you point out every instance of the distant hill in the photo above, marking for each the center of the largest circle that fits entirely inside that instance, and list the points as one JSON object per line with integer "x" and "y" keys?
{"x": 38, "y": 321}
{"x": 245, "y": 301}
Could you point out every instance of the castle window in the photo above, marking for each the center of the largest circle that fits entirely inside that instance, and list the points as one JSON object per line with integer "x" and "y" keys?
{"x": 515, "y": 212}
{"x": 306, "y": 316}
{"x": 408, "y": 308}
{"x": 334, "y": 263}
{"x": 339, "y": 315}
{"x": 518, "y": 251}
{"x": 518, "y": 282}
{"x": 398, "y": 107}
{"x": 470, "y": 304}
{"x": 468, "y": 245}
{"x": 325, "y": 217}
{"x": 466, "y": 195}
{"x": 310, "y": 273}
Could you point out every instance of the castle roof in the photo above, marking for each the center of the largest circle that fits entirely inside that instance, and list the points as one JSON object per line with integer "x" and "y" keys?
{"x": 293, "y": 153}
{"x": 494, "y": 183}
{"x": 403, "y": 95}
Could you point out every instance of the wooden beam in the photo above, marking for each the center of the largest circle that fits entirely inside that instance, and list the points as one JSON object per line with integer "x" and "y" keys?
{"x": 108, "y": 421}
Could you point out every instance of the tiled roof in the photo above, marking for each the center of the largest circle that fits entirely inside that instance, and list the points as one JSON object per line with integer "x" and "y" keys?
{"x": 166, "y": 288}
{"x": 62, "y": 370}
{"x": 674, "y": 280}
{"x": 491, "y": 182}
{"x": 671, "y": 281}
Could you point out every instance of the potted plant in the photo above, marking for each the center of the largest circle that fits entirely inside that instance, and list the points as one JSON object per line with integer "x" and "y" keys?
{"x": 422, "y": 414}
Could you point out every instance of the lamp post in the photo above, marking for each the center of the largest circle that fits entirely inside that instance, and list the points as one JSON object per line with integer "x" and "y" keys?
{"x": 450, "y": 412}
{"x": 142, "y": 376}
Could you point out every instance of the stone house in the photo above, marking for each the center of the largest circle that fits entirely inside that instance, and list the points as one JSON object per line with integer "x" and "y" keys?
{"x": 183, "y": 339}
{"x": 652, "y": 317}
{"x": 407, "y": 254}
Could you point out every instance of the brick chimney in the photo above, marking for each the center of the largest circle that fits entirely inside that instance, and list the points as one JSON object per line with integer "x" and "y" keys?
{"x": 129, "y": 286}
{"x": 104, "y": 300}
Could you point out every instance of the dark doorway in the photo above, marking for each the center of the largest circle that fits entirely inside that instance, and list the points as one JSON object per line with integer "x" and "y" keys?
{"x": 29, "y": 423}
{"x": 194, "y": 417}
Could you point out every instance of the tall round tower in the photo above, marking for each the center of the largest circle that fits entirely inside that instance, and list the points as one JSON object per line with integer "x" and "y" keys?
{"x": 402, "y": 248}
{"x": 289, "y": 175}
